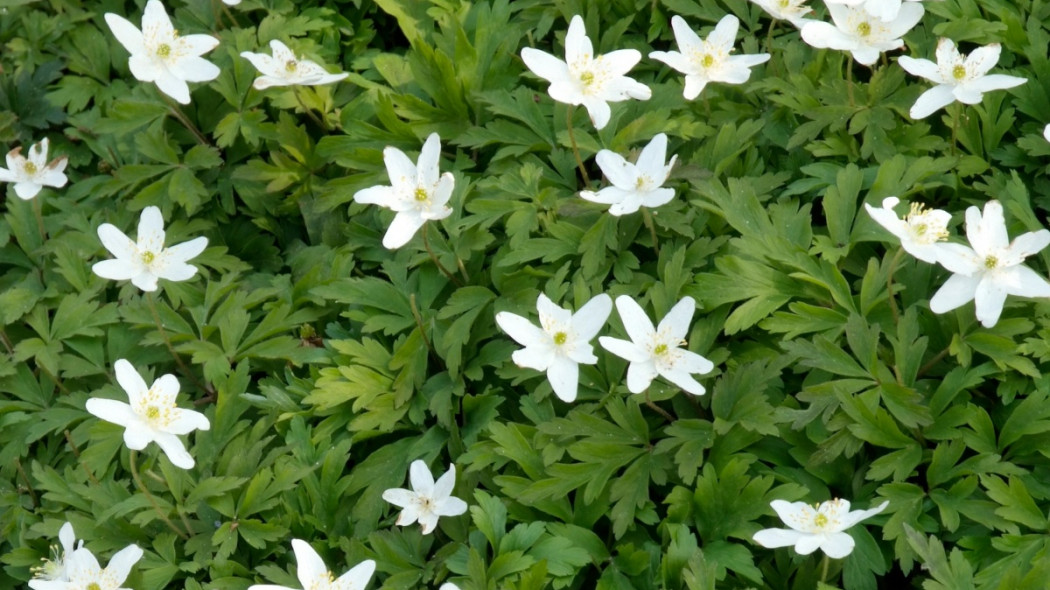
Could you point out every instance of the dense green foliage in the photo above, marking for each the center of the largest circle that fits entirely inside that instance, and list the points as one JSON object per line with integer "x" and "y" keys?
{"x": 327, "y": 363}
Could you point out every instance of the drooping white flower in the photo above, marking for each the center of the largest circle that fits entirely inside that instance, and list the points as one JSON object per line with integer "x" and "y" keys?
{"x": 314, "y": 575}
{"x": 57, "y": 568}
{"x": 146, "y": 261}
{"x": 152, "y": 415}
{"x": 656, "y": 351}
{"x": 860, "y": 33}
{"x": 427, "y": 500}
{"x": 86, "y": 574}
{"x": 884, "y": 10}
{"x": 958, "y": 77}
{"x": 417, "y": 193}
{"x": 584, "y": 78}
{"x": 283, "y": 68}
{"x": 991, "y": 268}
{"x": 704, "y": 61}
{"x": 634, "y": 185}
{"x": 921, "y": 232}
{"x": 33, "y": 173}
{"x": 159, "y": 54}
{"x": 562, "y": 341}
{"x": 792, "y": 11}
{"x": 814, "y": 527}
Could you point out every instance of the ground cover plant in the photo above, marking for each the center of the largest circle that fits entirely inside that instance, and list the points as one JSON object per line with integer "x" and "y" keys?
{"x": 615, "y": 294}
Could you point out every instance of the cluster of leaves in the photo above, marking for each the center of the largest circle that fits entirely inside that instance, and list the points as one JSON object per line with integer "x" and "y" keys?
{"x": 326, "y": 363}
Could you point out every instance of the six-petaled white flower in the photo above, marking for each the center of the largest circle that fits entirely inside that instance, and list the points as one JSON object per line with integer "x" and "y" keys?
{"x": 814, "y": 527}
{"x": 427, "y": 500}
{"x": 152, "y": 415}
{"x": 958, "y": 77}
{"x": 86, "y": 574}
{"x": 921, "y": 232}
{"x": 562, "y": 341}
{"x": 283, "y": 68}
{"x": 884, "y": 10}
{"x": 57, "y": 568}
{"x": 159, "y": 54}
{"x": 704, "y": 61}
{"x": 793, "y": 11}
{"x": 314, "y": 575}
{"x": 858, "y": 32}
{"x": 634, "y": 185}
{"x": 657, "y": 351}
{"x": 587, "y": 79}
{"x": 33, "y": 173}
{"x": 417, "y": 193}
{"x": 147, "y": 260}
{"x": 991, "y": 268}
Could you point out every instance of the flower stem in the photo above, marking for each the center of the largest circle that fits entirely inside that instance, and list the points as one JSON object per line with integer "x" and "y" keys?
{"x": 229, "y": 14}
{"x": 575, "y": 148}
{"x": 769, "y": 36}
{"x": 419, "y": 324}
{"x": 138, "y": 481}
{"x": 182, "y": 118}
{"x": 849, "y": 79}
{"x": 441, "y": 267}
{"x": 656, "y": 408}
{"x": 309, "y": 112}
{"x": 889, "y": 284}
{"x": 29, "y": 483}
{"x": 167, "y": 342}
{"x": 647, "y": 218}
{"x": 39, "y": 220}
{"x": 824, "y": 569}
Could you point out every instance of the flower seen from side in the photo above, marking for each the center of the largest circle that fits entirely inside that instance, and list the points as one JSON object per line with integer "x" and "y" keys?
{"x": 85, "y": 573}
{"x": 562, "y": 341}
{"x": 283, "y": 68}
{"x": 57, "y": 568}
{"x": 152, "y": 415}
{"x": 146, "y": 260}
{"x": 958, "y": 77}
{"x": 704, "y": 61}
{"x": 793, "y": 11}
{"x": 584, "y": 78}
{"x": 858, "y": 32}
{"x": 160, "y": 55}
{"x": 815, "y": 527}
{"x": 634, "y": 185}
{"x": 657, "y": 351}
{"x": 427, "y": 500}
{"x": 921, "y": 232}
{"x": 31, "y": 174}
{"x": 314, "y": 575}
{"x": 417, "y": 193}
{"x": 991, "y": 267}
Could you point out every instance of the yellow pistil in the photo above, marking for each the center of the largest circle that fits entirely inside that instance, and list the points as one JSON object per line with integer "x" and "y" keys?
{"x": 152, "y": 412}
{"x": 420, "y": 195}
{"x": 820, "y": 521}
{"x": 660, "y": 349}
{"x": 30, "y": 168}
{"x": 864, "y": 29}
{"x": 291, "y": 65}
{"x": 959, "y": 72}
{"x": 991, "y": 262}
{"x": 561, "y": 338}
{"x": 707, "y": 61}
{"x": 587, "y": 78}
{"x": 148, "y": 257}
{"x": 164, "y": 50}
{"x": 94, "y": 586}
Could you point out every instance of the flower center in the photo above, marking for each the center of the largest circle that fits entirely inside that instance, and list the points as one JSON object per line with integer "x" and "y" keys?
{"x": 291, "y": 65}
{"x": 707, "y": 61}
{"x": 587, "y": 78}
{"x": 561, "y": 338}
{"x": 959, "y": 72}
{"x": 30, "y": 168}
{"x": 94, "y": 586}
{"x": 991, "y": 262}
{"x": 660, "y": 349}
{"x": 820, "y": 521}
{"x": 152, "y": 412}
{"x": 163, "y": 51}
{"x": 420, "y": 195}
{"x": 864, "y": 29}
{"x": 926, "y": 227}
{"x": 148, "y": 257}
{"x": 322, "y": 582}
{"x": 785, "y": 3}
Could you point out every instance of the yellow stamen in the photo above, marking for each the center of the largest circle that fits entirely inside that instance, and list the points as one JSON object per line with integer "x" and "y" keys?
{"x": 152, "y": 412}
{"x": 864, "y": 29}
{"x": 30, "y": 168}
{"x": 94, "y": 586}
{"x": 587, "y": 78}
{"x": 959, "y": 72}
{"x": 561, "y": 338}
{"x": 821, "y": 521}
{"x": 660, "y": 349}
{"x": 164, "y": 50}
{"x": 290, "y": 65}
{"x": 148, "y": 257}
{"x": 420, "y": 194}
{"x": 991, "y": 262}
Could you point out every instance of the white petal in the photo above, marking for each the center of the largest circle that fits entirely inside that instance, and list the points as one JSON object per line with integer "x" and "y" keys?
{"x": 27, "y": 190}
{"x": 137, "y": 435}
{"x": 635, "y": 322}
{"x": 774, "y": 538}
{"x": 931, "y": 101}
{"x": 143, "y": 68}
{"x": 724, "y": 34}
{"x": 690, "y": 362}
{"x": 195, "y": 69}
{"x": 427, "y": 165}
{"x": 187, "y": 250}
{"x": 852, "y": 518}
{"x": 624, "y": 349}
{"x": 402, "y": 228}
{"x": 617, "y": 169}
{"x": 130, "y": 380}
{"x": 577, "y": 45}
{"x": 401, "y": 170}
{"x": 538, "y": 357}
{"x": 590, "y": 318}
{"x": 444, "y": 484}
{"x": 923, "y": 68}
{"x": 807, "y": 544}
{"x": 126, "y": 33}
{"x": 173, "y": 87}
{"x": 640, "y": 375}
{"x": 676, "y": 322}
{"x": 598, "y": 110}
{"x": 995, "y": 82}
{"x": 958, "y": 290}
{"x": 357, "y": 577}
{"x": 308, "y": 564}
{"x": 982, "y": 60}
{"x": 958, "y": 258}
{"x": 116, "y": 270}
{"x": 67, "y": 538}
{"x": 564, "y": 377}
{"x": 683, "y": 380}
{"x": 174, "y": 449}
{"x": 823, "y": 35}
{"x": 988, "y": 300}
{"x": 545, "y": 65}
{"x": 793, "y": 514}
{"x": 450, "y": 507}
{"x": 687, "y": 39}
{"x": 987, "y": 232}
{"x": 186, "y": 421}
{"x": 121, "y": 563}
{"x": 837, "y": 545}
{"x": 110, "y": 410}
{"x": 155, "y": 21}
{"x": 654, "y": 154}
{"x": 383, "y": 196}
{"x": 399, "y": 497}
{"x": 521, "y": 330}
{"x": 146, "y": 281}
{"x": 422, "y": 480}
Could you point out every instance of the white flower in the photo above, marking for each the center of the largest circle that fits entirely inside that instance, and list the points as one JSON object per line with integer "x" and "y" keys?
{"x": 1046, "y": 132}
{"x": 159, "y": 54}
{"x": 448, "y": 586}
{"x": 86, "y": 574}
{"x": 860, "y": 33}
{"x": 653, "y": 352}
{"x": 704, "y": 61}
{"x": 314, "y": 575}
{"x": 792, "y": 11}
{"x": 152, "y": 415}
{"x": 417, "y": 193}
{"x": 815, "y": 527}
{"x": 33, "y": 173}
{"x": 562, "y": 341}
{"x": 147, "y": 260}
{"x": 634, "y": 185}
{"x": 884, "y": 10}
{"x": 426, "y": 501}
{"x": 231, "y": 2}
{"x": 959, "y": 78}
{"x": 57, "y": 568}
{"x": 285, "y": 69}
{"x": 920, "y": 232}
{"x": 991, "y": 268}
{"x": 587, "y": 79}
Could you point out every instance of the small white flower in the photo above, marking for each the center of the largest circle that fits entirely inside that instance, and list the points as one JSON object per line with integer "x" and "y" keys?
{"x": 991, "y": 268}
{"x": 86, "y": 574}
{"x": 587, "y": 79}
{"x": 285, "y": 69}
{"x": 427, "y": 500}
{"x": 921, "y": 232}
{"x": 562, "y": 341}
{"x": 33, "y": 173}
{"x": 57, "y": 568}
{"x": 448, "y": 586}
{"x": 704, "y": 61}
{"x": 860, "y": 33}
{"x": 231, "y": 2}
{"x": 884, "y": 10}
{"x": 417, "y": 193}
{"x": 159, "y": 54}
{"x": 634, "y": 185}
{"x": 792, "y": 11}
{"x": 812, "y": 527}
{"x": 653, "y": 352}
{"x": 314, "y": 575}
{"x": 146, "y": 261}
{"x": 152, "y": 415}
{"x": 958, "y": 77}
